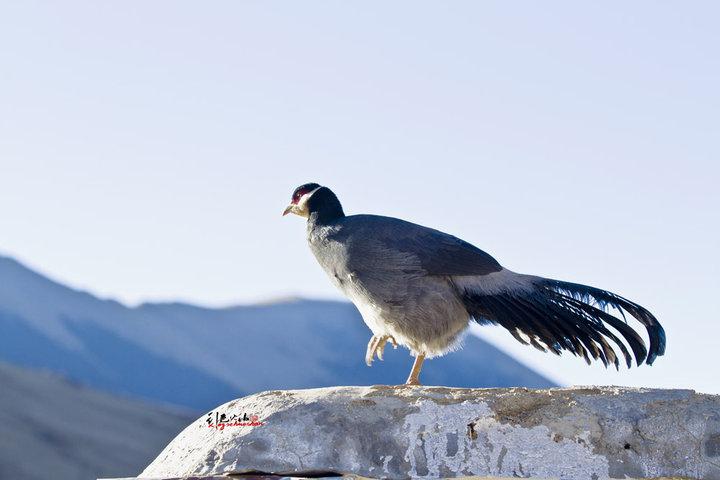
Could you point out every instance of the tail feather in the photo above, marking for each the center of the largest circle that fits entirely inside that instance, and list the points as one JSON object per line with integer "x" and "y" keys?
{"x": 634, "y": 340}
{"x": 585, "y": 335}
{"x": 593, "y": 332}
{"x": 605, "y": 299}
{"x": 556, "y": 316}
{"x": 519, "y": 321}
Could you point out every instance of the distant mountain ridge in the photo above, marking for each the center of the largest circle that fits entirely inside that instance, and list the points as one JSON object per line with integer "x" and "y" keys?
{"x": 199, "y": 357}
{"x": 52, "y": 428}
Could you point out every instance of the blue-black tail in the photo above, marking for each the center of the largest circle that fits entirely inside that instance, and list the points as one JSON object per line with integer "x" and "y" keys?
{"x": 555, "y": 315}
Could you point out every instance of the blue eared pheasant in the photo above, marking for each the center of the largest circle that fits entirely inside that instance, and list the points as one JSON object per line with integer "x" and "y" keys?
{"x": 419, "y": 288}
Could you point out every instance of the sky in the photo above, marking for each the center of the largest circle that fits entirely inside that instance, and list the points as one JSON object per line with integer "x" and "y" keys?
{"x": 147, "y": 149}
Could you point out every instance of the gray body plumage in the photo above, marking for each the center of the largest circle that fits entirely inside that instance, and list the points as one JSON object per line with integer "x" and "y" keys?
{"x": 402, "y": 277}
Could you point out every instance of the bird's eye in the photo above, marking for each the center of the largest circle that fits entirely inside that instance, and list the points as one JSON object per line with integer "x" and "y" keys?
{"x": 296, "y": 196}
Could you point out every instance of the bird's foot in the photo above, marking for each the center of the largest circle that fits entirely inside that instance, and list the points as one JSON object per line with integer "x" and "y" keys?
{"x": 381, "y": 345}
{"x": 376, "y": 346}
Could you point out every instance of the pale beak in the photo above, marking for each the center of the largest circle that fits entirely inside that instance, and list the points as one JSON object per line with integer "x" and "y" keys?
{"x": 288, "y": 209}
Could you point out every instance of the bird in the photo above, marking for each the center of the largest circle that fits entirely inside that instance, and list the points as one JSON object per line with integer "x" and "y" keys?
{"x": 420, "y": 288}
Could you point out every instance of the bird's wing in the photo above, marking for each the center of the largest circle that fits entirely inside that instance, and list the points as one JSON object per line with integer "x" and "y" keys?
{"x": 390, "y": 243}
{"x": 443, "y": 254}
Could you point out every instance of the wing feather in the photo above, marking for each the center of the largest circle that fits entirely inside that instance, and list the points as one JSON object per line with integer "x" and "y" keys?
{"x": 436, "y": 252}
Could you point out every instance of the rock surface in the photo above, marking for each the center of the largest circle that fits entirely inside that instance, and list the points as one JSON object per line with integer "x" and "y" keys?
{"x": 432, "y": 432}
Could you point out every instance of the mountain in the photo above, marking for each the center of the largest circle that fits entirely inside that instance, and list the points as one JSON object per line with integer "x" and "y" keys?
{"x": 199, "y": 357}
{"x": 53, "y": 428}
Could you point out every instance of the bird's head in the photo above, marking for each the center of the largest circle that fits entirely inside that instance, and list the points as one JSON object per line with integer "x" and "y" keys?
{"x": 313, "y": 199}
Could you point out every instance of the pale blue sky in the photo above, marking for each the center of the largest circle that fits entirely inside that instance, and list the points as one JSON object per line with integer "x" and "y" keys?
{"x": 147, "y": 149}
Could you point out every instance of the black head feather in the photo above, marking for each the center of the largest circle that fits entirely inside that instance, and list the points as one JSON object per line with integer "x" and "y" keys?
{"x": 324, "y": 206}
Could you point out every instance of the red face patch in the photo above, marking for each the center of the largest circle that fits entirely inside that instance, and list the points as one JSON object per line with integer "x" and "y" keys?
{"x": 302, "y": 190}
{"x": 298, "y": 195}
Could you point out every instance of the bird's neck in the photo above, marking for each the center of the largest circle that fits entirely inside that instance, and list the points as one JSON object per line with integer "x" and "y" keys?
{"x": 324, "y": 207}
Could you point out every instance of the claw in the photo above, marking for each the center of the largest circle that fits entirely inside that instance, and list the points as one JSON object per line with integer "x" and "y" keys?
{"x": 376, "y": 346}
{"x": 380, "y": 348}
{"x": 370, "y": 353}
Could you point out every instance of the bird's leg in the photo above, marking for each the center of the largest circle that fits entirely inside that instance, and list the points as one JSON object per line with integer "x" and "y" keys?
{"x": 414, "y": 378}
{"x": 377, "y": 347}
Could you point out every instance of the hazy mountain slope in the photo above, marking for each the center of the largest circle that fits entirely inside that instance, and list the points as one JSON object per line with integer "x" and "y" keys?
{"x": 200, "y": 357}
{"x": 51, "y": 428}
{"x": 111, "y": 363}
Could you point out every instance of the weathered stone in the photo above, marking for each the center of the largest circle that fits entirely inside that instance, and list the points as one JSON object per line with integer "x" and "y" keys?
{"x": 411, "y": 432}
